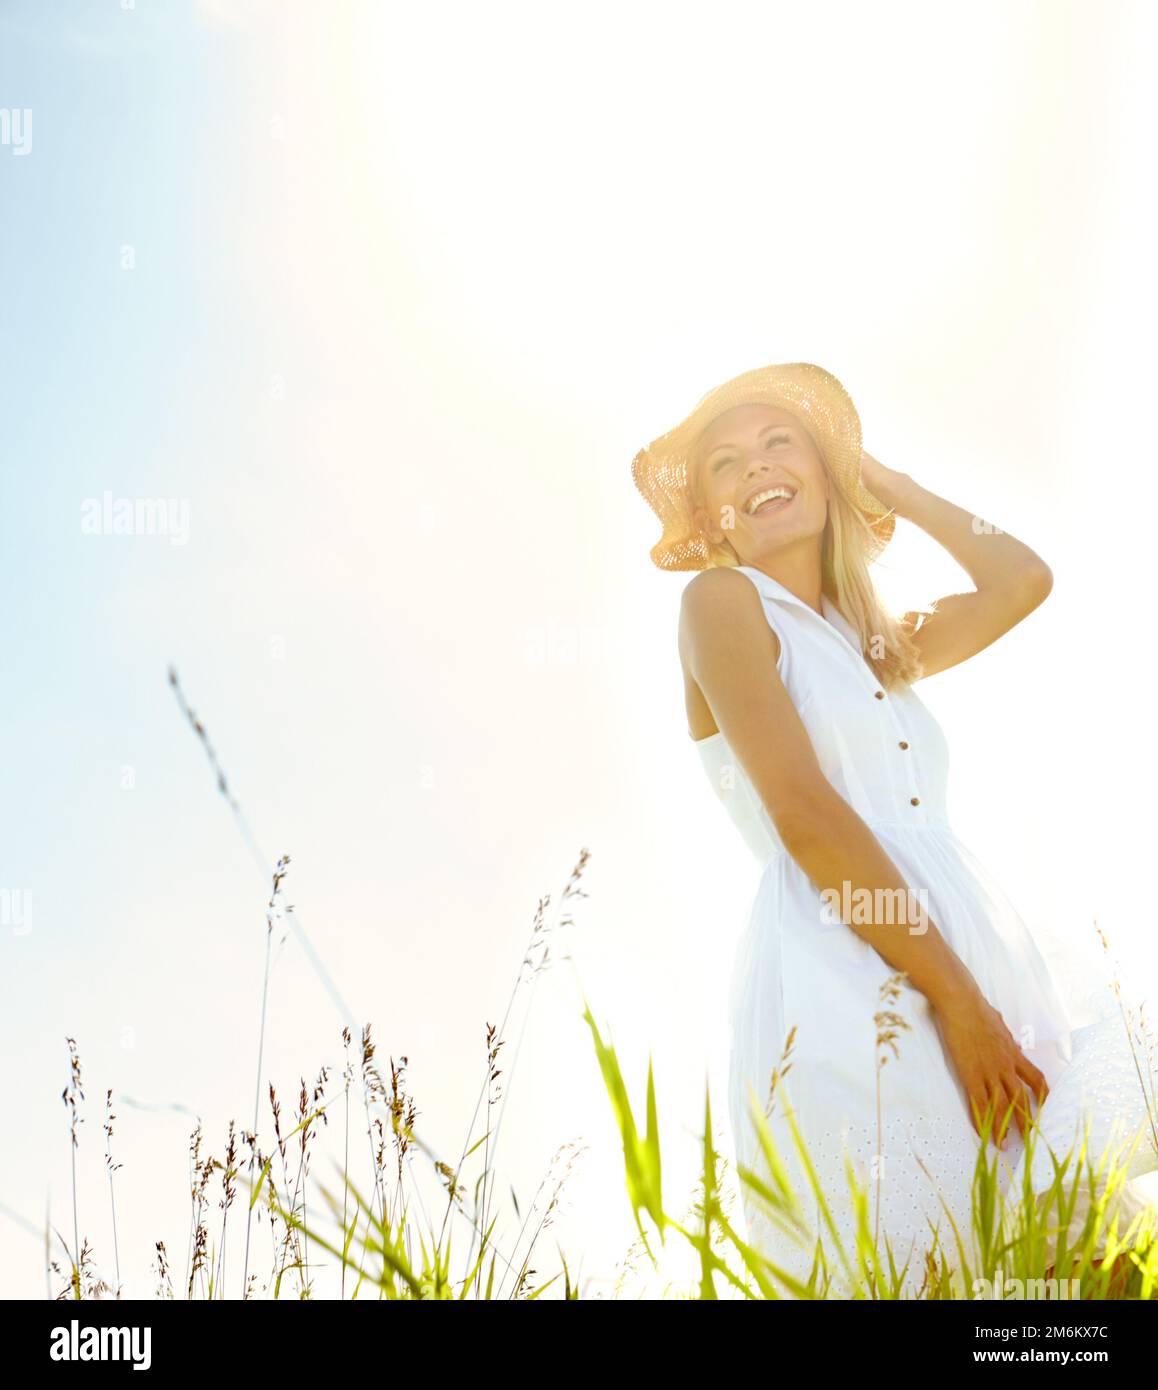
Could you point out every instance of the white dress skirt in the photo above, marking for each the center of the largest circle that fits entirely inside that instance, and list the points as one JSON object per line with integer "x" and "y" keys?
{"x": 912, "y": 1145}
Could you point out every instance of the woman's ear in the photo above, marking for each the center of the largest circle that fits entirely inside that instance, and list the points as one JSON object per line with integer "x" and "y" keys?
{"x": 700, "y": 522}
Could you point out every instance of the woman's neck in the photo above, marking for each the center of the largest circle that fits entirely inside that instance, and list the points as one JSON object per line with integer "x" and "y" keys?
{"x": 797, "y": 567}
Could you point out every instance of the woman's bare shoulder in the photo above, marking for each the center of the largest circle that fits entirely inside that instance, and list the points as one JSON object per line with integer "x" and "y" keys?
{"x": 717, "y": 604}
{"x": 717, "y": 590}
{"x": 716, "y": 601}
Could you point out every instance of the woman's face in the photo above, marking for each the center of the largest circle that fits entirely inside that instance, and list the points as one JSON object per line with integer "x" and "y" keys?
{"x": 762, "y": 481}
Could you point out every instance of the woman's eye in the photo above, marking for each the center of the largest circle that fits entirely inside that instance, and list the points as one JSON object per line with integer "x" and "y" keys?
{"x": 730, "y": 458}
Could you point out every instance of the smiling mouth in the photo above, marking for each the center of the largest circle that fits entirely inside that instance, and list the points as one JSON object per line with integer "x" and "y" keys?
{"x": 773, "y": 499}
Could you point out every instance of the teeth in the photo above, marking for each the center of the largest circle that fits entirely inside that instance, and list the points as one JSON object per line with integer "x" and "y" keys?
{"x": 762, "y": 497}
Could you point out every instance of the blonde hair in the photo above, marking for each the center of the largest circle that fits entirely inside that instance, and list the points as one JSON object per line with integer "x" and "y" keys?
{"x": 845, "y": 579}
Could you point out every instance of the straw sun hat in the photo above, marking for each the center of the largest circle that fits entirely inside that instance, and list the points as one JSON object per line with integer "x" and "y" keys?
{"x": 813, "y": 395}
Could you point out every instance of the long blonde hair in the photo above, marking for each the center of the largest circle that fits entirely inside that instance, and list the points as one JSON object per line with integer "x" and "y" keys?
{"x": 845, "y": 579}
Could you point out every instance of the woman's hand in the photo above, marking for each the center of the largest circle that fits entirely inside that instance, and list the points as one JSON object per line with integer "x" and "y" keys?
{"x": 991, "y": 1067}
{"x": 886, "y": 484}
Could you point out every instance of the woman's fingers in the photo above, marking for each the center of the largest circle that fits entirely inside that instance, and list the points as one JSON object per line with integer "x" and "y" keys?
{"x": 998, "y": 1080}
{"x": 1014, "y": 1105}
{"x": 989, "y": 1104}
{"x": 1006, "y": 1105}
{"x": 1020, "y": 1102}
{"x": 1037, "y": 1082}
{"x": 979, "y": 1105}
{"x": 1000, "y": 1102}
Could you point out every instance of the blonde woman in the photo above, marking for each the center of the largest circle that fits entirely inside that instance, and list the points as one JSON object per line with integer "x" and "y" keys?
{"x": 798, "y": 687}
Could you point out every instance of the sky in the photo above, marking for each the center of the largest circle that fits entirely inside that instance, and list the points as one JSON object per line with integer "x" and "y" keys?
{"x": 362, "y": 312}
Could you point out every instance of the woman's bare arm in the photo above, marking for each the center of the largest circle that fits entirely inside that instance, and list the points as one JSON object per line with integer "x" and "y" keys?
{"x": 1011, "y": 580}
{"x": 731, "y": 651}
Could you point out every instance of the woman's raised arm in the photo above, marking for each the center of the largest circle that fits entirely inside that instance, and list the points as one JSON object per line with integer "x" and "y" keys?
{"x": 1011, "y": 579}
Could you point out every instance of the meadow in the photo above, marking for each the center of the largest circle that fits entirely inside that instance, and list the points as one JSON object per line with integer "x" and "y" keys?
{"x": 263, "y": 1225}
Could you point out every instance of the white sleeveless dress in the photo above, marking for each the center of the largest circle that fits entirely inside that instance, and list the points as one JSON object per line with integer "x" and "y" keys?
{"x": 797, "y": 966}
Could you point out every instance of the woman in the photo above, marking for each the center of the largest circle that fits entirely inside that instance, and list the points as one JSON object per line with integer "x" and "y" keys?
{"x": 798, "y": 688}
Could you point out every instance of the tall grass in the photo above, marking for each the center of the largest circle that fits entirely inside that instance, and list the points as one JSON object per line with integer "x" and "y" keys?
{"x": 1006, "y": 1246}
{"x": 369, "y": 1226}
{"x": 384, "y": 1244}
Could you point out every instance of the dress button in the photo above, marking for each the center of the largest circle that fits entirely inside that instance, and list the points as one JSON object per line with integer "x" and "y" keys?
{"x": 902, "y": 744}
{"x": 880, "y": 694}
{"x": 914, "y": 801}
